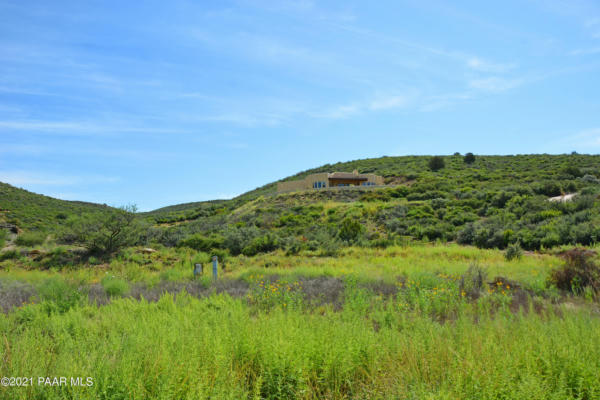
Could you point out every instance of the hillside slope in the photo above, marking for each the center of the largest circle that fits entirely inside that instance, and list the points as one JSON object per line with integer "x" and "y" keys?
{"x": 495, "y": 202}
{"x": 31, "y": 211}
{"x": 491, "y": 172}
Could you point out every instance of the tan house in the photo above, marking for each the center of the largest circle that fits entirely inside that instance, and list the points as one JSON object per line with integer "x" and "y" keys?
{"x": 330, "y": 180}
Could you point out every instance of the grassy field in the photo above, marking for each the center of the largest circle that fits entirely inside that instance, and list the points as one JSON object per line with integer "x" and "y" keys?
{"x": 402, "y": 322}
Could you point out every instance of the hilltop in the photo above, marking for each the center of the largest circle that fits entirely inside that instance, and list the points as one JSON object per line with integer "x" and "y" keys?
{"x": 32, "y": 211}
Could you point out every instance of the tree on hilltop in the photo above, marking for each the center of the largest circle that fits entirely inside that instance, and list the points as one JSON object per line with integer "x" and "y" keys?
{"x": 436, "y": 163}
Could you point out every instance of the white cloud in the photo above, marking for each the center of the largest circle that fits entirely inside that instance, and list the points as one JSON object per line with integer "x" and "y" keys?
{"x": 578, "y": 52}
{"x": 78, "y": 127}
{"x": 338, "y": 112}
{"x": 480, "y": 64}
{"x": 379, "y": 103}
{"x": 494, "y": 84}
{"x": 387, "y": 103}
{"x": 586, "y": 138}
{"x": 584, "y": 141}
{"x": 434, "y": 103}
{"x": 18, "y": 178}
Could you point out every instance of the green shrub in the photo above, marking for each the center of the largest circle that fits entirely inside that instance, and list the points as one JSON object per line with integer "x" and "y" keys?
{"x": 572, "y": 170}
{"x": 436, "y": 163}
{"x": 200, "y": 242}
{"x": 578, "y": 273}
{"x": 3, "y": 237}
{"x": 466, "y": 235}
{"x": 513, "y": 252}
{"x": 261, "y": 244}
{"x": 590, "y": 179}
{"x": 9, "y": 255}
{"x": 236, "y": 239}
{"x": 105, "y": 233}
{"x": 469, "y": 158}
{"x": 30, "y": 239}
{"x": 114, "y": 286}
{"x": 59, "y": 296}
{"x": 351, "y": 230}
{"x": 58, "y": 257}
{"x": 472, "y": 282}
{"x": 94, "y": 261}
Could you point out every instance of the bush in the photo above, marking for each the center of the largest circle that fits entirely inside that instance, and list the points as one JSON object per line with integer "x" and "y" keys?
{"x": 513, "y": 252}
{"x": 105, "y": 233}
{"x": 30, "y": 239}
{"x": 573, "y": 171}
{"x": 550, "y": 189}
{"x": 578, "y": 273}
{"x": 115, "y": 286}
{"x": 472, "y": 282}
{"x": 3, "y": 236}
{"x": 58, "y": 295}
{"x": 9, "y": 255}
{"x": 466, "y": 235}
{"x": 236, "y": 239}
{"x": 436, "y": 163}
{"x": 351, "y": 230}
{"x": 59, "y": 258}
{"x": 590, "y": 179}
{"x": 261, "y": 244}
{"x": 200, "y": 242}
{"x": 469, "y": 158}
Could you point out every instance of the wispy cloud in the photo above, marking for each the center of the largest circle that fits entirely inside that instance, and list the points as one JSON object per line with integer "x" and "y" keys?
{"x": 480, "y": 64}
{"x": 338, "y": 112}
{"x": 585, "y": 141}
{"x": 20, "y": 177}
{"x": 495, "y": 84}
{"x": 588, "y": 51}
{"x": 438, "y": 102}
{"x": 586, "y": 138}
{"x": 377, "y": 104}
{"x": 387, "y": 103}
{"x": 79, "y": 127}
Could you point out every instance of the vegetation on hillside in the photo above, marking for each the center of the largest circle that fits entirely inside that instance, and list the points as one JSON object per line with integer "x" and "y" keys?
{"x": 486, "y": 201}
{"x": 34, "y": 212}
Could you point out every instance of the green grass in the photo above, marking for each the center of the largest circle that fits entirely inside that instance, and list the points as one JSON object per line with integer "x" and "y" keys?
{"x": 222, "y": 348}
{"x": 430, "y": 339}
{"x": 364, "y": 264}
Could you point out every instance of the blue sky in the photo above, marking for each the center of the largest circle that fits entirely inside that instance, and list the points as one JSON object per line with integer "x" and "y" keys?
{"x": 164, "y": 102}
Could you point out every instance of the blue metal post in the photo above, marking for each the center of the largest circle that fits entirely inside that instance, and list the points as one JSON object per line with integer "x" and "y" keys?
{"x": 215, "y": 260}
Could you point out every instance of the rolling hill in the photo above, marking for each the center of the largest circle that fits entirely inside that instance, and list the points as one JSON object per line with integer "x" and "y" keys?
{"x": 493, "y": 202}
{"x": 31, "y": 211}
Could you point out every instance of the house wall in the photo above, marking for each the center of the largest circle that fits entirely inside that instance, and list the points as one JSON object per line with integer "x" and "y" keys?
{"x": 320, "y": 177}
{"x": 376, "y": 179}
{"x": 308, "y": 181}
{"x": 290, "y": 186}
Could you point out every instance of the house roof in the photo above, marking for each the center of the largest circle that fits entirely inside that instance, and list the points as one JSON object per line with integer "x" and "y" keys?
{"x": 348, "y": 175}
